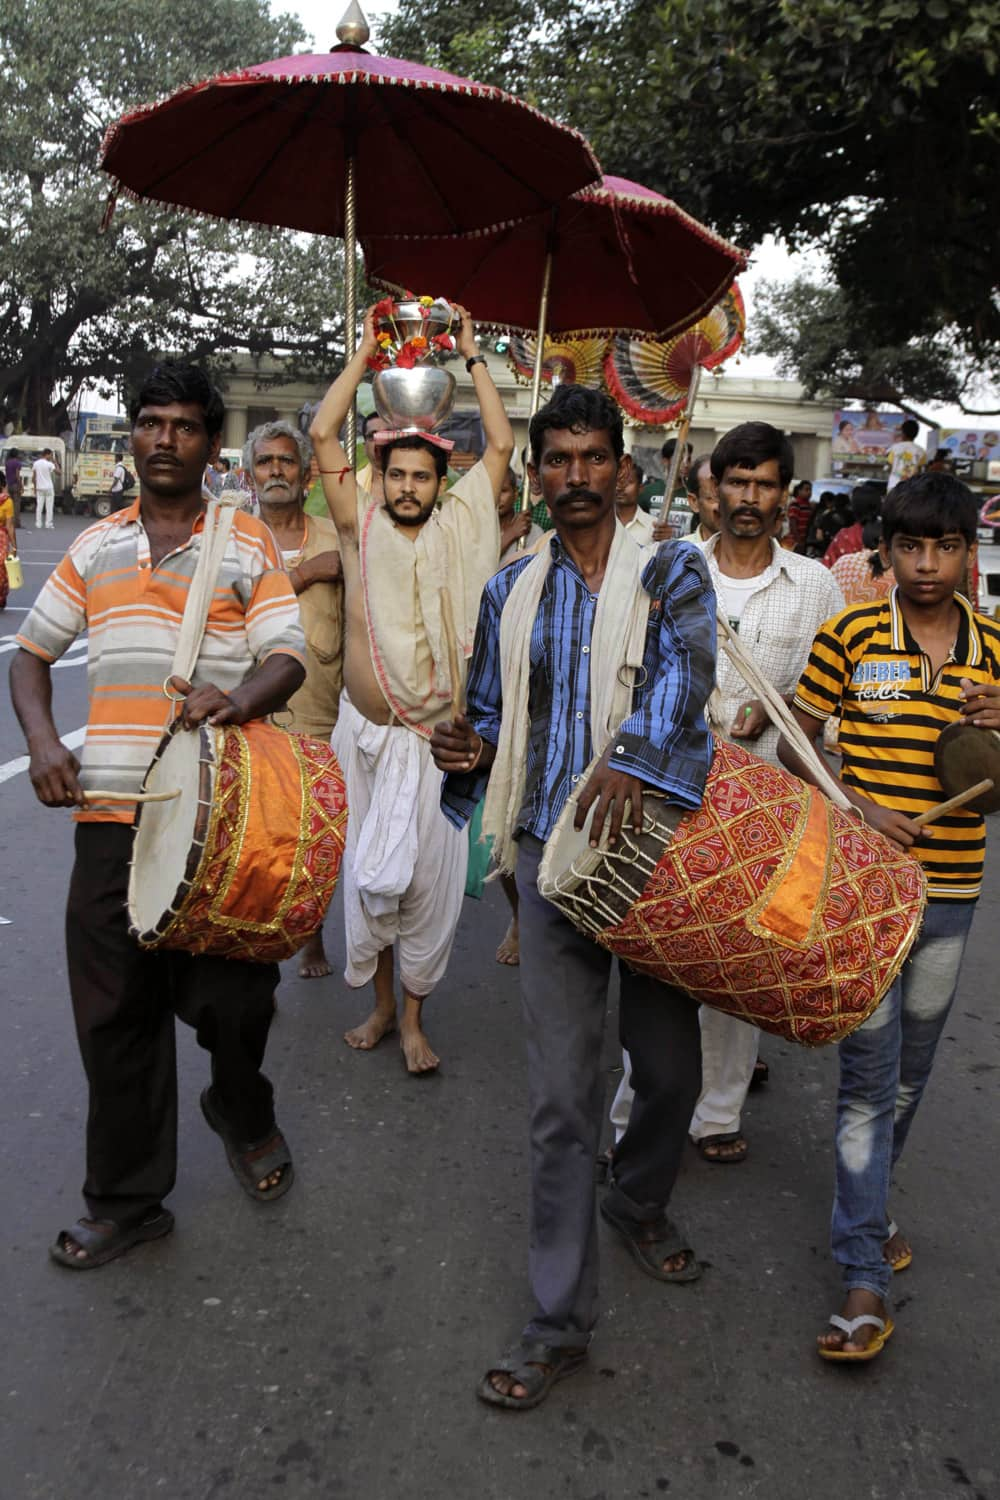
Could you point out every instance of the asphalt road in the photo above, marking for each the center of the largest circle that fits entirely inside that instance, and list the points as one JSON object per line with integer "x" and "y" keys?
{"x": 328, "y": 1345}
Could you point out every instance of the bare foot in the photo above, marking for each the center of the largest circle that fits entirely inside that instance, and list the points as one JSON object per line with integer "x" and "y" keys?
{"x": 314, "y": 963}
{"x": 417, "y": 1051}
{"x": 368, "y": 1035}
{"x": 509, "y": 951}
{"x": 858, "y": 1301}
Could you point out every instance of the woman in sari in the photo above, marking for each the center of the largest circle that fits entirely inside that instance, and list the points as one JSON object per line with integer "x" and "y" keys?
{"x": 8, "y": 542}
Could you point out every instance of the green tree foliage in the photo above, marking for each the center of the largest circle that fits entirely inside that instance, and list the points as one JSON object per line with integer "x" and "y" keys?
{"x": 77, "y": 306}
{"x": 870, "y": 127}
{"x": 814, "y": 334}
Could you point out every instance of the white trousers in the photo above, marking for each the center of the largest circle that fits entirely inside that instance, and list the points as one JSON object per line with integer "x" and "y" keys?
{"x": 44, "y": 502}
{"x": 728, "y": 1054}
{"x": 404, "y": 864}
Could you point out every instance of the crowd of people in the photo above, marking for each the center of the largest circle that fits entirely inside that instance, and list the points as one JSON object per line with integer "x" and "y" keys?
{"x": 584, "y": 645}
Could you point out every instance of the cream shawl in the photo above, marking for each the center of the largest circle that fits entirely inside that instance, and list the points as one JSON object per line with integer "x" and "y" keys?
{"x": 402, "y": 579}
{"x": 616, "y": 652}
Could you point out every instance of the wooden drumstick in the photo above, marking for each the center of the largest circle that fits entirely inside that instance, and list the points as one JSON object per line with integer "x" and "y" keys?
{"x": 133, "y": 796}
{"x": 960, "y": 800}
{"x": 454, "y": 661}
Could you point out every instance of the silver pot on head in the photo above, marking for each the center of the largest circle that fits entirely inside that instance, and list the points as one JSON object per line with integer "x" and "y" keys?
{"x": 420, "y": 397}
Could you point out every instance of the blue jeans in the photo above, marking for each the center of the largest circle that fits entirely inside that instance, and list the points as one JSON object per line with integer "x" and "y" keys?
{"x": 884, "y": 1066}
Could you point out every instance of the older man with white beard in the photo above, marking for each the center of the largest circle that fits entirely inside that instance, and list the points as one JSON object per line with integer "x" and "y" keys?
{"x": 277, "y": 456}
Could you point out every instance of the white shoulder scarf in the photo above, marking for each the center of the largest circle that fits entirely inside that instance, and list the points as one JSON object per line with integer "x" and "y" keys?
{"x": 616, "y": 653}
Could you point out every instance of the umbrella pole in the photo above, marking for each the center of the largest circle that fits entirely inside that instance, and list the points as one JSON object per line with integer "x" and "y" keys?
{"x": 536, "y": 377}
{"x": 682, "y": 432}
{"x": 350, "y": 294}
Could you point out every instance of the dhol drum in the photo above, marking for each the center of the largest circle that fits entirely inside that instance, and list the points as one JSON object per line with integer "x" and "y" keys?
{"x": 767, "y": 902}
{"x": 244, "y": 861}
{"x": 965, "y": 756}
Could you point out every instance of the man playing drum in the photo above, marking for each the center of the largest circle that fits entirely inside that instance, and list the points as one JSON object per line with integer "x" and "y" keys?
{"x": 278, "y": 456}
{"x": 593, "y": 647}
{"x": 900, "y": 671}
{"x": 405, "y": 563}
{"x": 127, "y": 579}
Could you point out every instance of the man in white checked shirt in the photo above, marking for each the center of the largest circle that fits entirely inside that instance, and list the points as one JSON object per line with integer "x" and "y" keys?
{"x": 775, "y": 600}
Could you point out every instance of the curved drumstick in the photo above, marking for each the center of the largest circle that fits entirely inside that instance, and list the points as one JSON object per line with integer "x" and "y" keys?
{"x": 135, "y": 796}
{"x": 940, "y": 808}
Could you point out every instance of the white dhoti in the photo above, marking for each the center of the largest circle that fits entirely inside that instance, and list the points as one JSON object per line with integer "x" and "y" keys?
{"x": 403, "y": 875}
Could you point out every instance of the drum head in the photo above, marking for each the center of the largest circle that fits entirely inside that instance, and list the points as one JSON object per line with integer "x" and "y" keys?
{"x": 165, "y": 833}
{"x": 568, "y": 858}
{"x": 964, "y": 755}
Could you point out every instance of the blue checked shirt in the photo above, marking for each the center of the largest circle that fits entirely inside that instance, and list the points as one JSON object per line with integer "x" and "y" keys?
{"x": 664, "y": 741}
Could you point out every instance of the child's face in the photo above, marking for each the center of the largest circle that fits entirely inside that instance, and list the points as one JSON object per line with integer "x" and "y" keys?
{"x": 928, "y": 569}
{"x": 506, "y": 497}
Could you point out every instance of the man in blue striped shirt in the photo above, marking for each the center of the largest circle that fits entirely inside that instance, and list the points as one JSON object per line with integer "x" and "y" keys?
{"x": 659, "y": 739}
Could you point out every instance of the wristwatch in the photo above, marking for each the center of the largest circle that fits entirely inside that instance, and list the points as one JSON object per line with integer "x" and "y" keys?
{"x": 477, "y": 359}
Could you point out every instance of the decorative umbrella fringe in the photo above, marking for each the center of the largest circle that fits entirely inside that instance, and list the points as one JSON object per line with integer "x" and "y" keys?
{"x": 120, "y": 190}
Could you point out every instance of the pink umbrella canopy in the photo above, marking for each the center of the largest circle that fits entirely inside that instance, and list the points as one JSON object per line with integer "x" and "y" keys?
{"x": 624, "y": 259}
{"x": 433, "y": 153}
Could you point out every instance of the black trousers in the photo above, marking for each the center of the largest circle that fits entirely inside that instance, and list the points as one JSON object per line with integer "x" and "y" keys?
{"x": 564, "y": 993}
{"x": 125, "y": 999}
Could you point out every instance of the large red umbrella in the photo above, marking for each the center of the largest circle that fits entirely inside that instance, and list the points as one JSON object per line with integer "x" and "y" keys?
{"x": 344, "y": 142}
{"x": 271, "y": 145}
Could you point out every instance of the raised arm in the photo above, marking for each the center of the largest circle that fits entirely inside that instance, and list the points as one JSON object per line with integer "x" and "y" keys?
{"x": 496, "y": 426}
{"x": 335, "y": 469}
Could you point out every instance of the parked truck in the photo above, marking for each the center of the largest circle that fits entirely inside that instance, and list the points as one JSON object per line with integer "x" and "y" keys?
{"x": 30, "y": 447}
{"x": 105, "y": 442}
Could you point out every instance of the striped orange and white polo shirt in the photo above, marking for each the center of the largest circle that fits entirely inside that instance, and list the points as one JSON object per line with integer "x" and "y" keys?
{"x": 106, "y": 584}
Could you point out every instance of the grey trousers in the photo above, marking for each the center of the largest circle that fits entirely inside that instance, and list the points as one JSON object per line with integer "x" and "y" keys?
{"x": 564, "y": 991}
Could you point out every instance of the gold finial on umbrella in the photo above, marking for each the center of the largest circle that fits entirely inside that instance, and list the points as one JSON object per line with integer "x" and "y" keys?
{"x": 353, "y": 30}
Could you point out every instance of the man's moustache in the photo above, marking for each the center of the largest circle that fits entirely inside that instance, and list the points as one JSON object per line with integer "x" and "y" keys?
{"x": 569, "y": 495}
{"x": 276, "y": 484}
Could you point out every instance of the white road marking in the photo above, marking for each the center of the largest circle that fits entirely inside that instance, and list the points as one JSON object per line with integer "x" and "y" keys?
{"x": 15, "y": 767}
{"x": 6, "y": 922}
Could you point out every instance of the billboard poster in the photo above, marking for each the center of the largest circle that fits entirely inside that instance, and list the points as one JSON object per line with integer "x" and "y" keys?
{"x": 970, "y": 445}
{"x": 864, "y": 436}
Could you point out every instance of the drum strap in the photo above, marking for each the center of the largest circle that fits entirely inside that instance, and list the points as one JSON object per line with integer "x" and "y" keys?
{"x": 618, "y": 640}
{"x": 781, "y": 717}
{"x": 219, "y": 517}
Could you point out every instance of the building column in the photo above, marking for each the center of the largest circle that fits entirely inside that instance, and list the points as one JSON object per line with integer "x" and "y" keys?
{"x": 234, "y": 429}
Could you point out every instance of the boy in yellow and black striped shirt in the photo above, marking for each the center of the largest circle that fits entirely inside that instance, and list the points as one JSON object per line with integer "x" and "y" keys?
{"x": 898, "y": 672}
